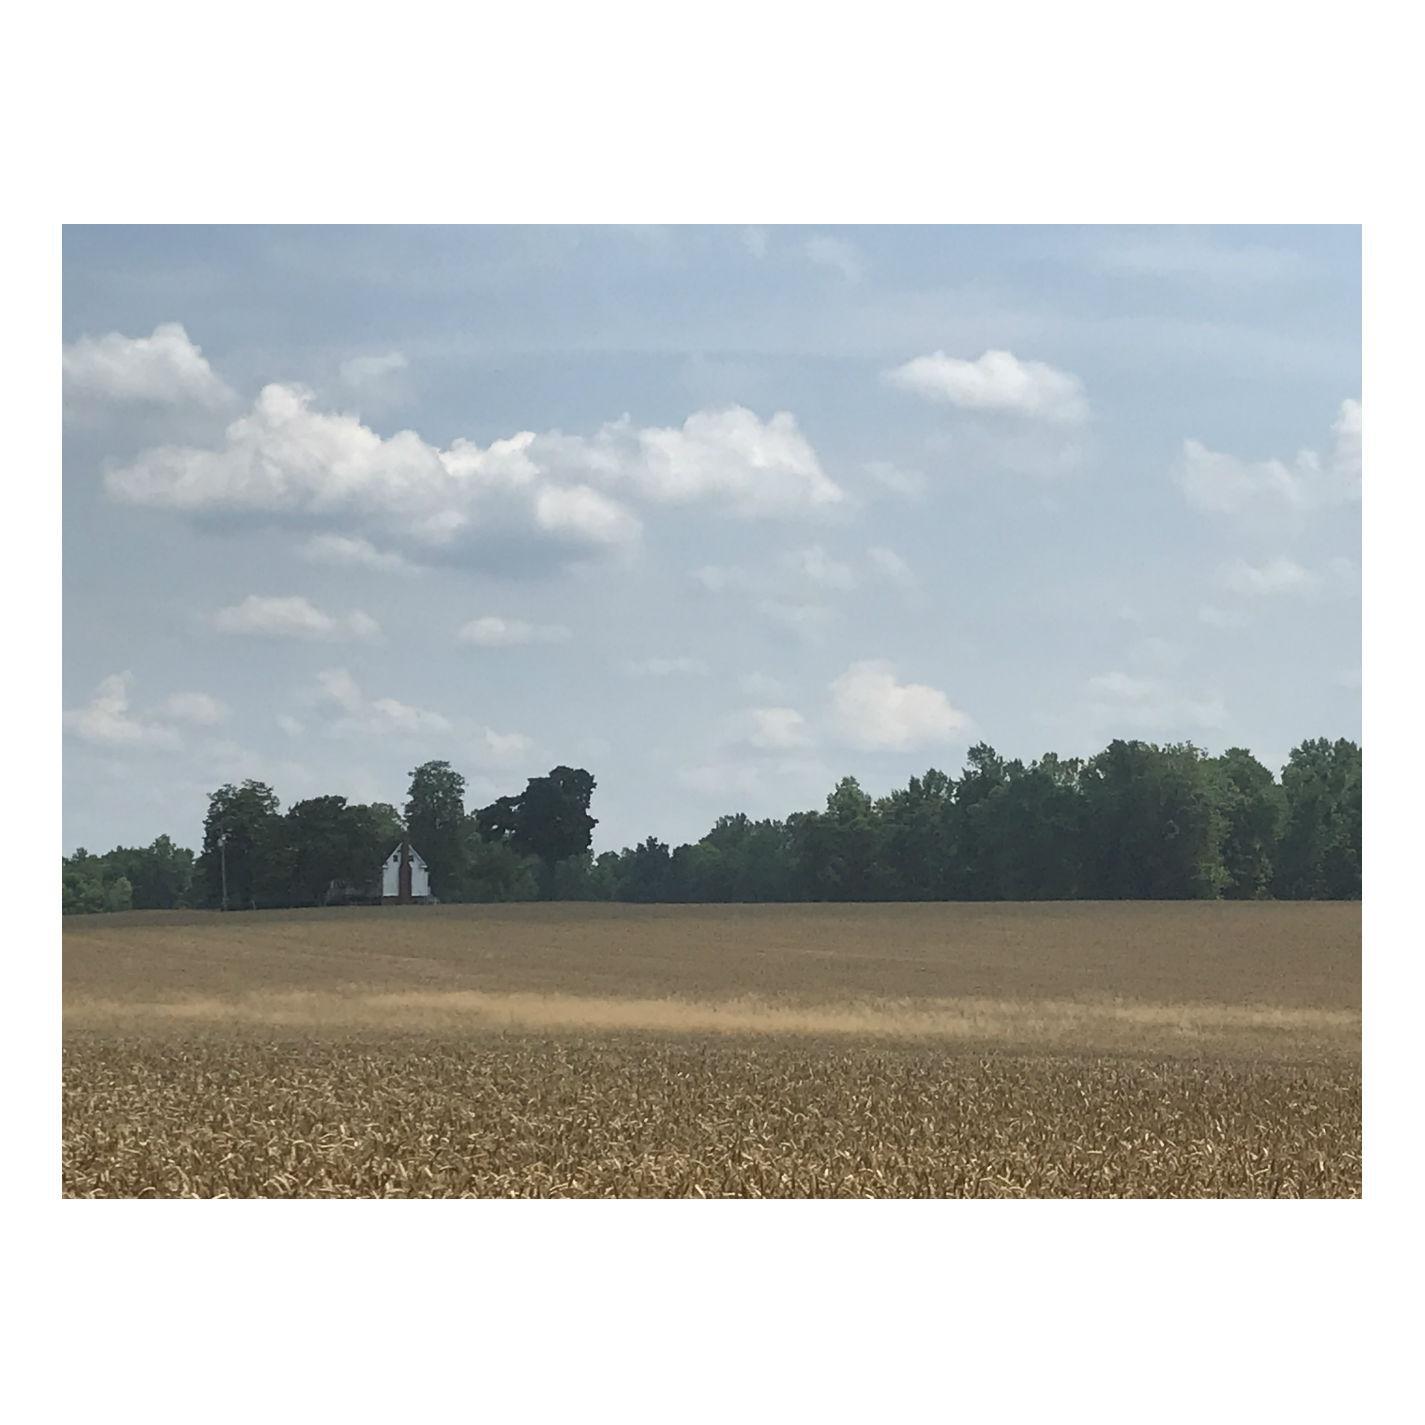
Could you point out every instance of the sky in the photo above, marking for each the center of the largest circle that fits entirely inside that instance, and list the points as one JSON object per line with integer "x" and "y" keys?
{"x": 722, "y": 514}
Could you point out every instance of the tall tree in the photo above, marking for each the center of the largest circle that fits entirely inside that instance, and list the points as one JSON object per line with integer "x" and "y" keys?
{"x": 549, "y": 820}
{"x": 435, "y": 822}
{"x": 1320, "y": 852}
{"x": 1252, "y": 805}
{"x": 835, "y": 851}
{"x": 1153, "y": 829}
{"x": 243, "y": 848}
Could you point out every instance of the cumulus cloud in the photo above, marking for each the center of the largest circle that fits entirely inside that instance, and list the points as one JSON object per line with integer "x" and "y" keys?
{"x": 491, "y": 631}
{"x": 1228, "y": 484}
{"x": 910, "y": 484}
{"x": 107, "y": 721}
{"x": 286, "y": 459}
{"x": 500, "y": 749}
{"x": 816, "y": 566}
{"x": 338, "y": 691}
{"x": 352, "y": 551}
{"x": 1125, "y": 702}
{"x": 889, "y": 566}
{"x": 1277, "y": 576}
{"x": 872, "y": 710}
{"x": 294, "y": 617}
{"x": 998, "y": 382}
{"x": 668, "y": 667}
{"x": 201, "y": 709}
{"x": 347, "y": 711}
{"x": 164, "y": 369}
{"x": 774, "y": 729}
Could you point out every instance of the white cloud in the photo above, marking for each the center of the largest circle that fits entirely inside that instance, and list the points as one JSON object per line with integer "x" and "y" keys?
{"x": 350, "y": 713}
{"x": 668, "y": 667}
{"x": 1346, "y": 457}
{"x": 163, "y": 369}
{"x": 817, "y": 567}
{"x": 775, "y": 729}
{"x": 287, "y": 460}
{"x": 725, "y": 578}
{"x": 890, "y": 566}
{"x": 373, "y": 716}
{"x": 908, "y": 483}
{"x": 294, "y": 617}
{"x": 201, "y": 709}
{"x": 998, "y": 382}
{"x": 354, "y": 552}
{"x": 871, "y": 710}
{"x": 1228, "y": 484}
{"x": 106, "y": 720}
{"x": 501, "y": 749}
{"x": 726, "y": 456}
{"x": 364, "y": 371}
{"x": 1277, "y": 576}
{"x": 585, "y": 516}
{"x": 292, "y": 726}
{"x": 491, "y": 631}
{"x": 836, "y": 255}
{"x": 1124, "y": 702}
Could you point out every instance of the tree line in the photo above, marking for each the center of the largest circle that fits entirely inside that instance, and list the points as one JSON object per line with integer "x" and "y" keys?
{"x": 1136, "y": 822}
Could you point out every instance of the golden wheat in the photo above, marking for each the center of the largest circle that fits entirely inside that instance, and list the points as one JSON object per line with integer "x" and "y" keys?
{"x": 752, "y": 1052}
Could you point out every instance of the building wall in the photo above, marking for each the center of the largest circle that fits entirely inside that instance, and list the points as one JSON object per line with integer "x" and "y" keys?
{"x": 391, "y": 876}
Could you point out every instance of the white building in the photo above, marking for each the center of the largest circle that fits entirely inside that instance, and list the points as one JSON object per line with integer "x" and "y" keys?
{"x": 404, "y": 876}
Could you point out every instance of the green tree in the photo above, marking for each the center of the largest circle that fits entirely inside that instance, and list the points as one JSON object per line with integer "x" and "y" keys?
{"x": 436, "y": 824}
{"x": 497, "y": 872}
{"x": 835, "y": 851}
{"x": 1153, "y": 829}
{"x": 1252, "y": 805}
{"x": 549, "y": 820}
{"x": 242, "y": 836}
{"x": 1320, "y": 851}
{"x": 917, "y": 825}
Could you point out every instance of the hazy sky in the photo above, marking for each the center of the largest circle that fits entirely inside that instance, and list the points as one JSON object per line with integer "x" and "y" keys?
{"x": 719, "y": 513}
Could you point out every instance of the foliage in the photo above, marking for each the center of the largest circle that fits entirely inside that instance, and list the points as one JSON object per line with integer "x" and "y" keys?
{"x": 436, "y": 824}
{"x": 549, "y": 820}
{"x": 1137, "y": 822}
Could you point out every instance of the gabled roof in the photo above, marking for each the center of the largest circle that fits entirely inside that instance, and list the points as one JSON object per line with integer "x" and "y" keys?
{"x": 395, "y": 858}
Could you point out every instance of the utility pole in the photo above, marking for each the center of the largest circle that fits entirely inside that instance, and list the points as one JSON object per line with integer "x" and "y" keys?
{"x": 223, "y": 857}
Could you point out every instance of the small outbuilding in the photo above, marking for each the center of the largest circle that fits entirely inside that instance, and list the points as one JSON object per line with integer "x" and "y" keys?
{"x": 405, "y": 879}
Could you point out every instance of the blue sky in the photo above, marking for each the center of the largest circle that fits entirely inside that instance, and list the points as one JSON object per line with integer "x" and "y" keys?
{"x": 720, "y": 513}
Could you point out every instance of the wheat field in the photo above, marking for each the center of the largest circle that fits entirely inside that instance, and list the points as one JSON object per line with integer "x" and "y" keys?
{"x": 1049, "y": 1050}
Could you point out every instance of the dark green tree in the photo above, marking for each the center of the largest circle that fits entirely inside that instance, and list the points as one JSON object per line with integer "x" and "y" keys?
{"x": 242, "y": 836}
{"x": 549, "y": 820}
{"x": 1152, "y": 825}
{"x": 436, "y": 824}
{"x": 1320, "y": 851}
{"x": 1252, "y": 805}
